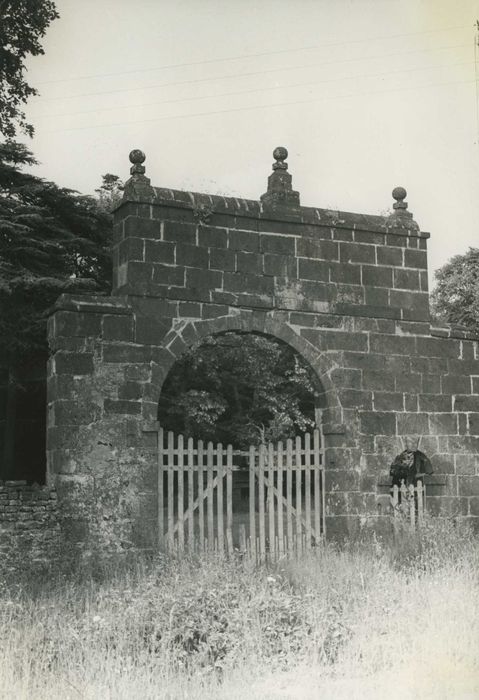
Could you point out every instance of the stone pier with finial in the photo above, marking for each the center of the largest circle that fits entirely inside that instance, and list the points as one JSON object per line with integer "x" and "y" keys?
{"x": 280, "y": 188}
{"x": 347, "y": 291}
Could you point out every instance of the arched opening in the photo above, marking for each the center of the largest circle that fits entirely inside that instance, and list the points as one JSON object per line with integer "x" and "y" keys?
{"x": 242, "y": 389}
{"x": 241, "y": 450}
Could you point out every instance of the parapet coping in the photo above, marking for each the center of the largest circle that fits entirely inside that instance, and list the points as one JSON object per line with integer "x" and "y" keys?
{"x": 205, "y": 205}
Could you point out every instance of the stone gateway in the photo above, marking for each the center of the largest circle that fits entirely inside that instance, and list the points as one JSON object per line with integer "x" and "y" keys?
{"x": 348, "y": 292}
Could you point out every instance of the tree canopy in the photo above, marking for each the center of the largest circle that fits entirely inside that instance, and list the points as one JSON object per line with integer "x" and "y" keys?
{"x": 240, "y": 389}
{"x": 51, "y": 240}
{"x": 455, "y": 299}
{"x": 109, "y": 193}
{"x": 23, "y": 23}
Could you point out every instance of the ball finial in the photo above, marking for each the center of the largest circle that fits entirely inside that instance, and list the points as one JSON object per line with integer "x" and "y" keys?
{"x": 280, "y": 153}
{"x": 137, "y": 157}
{"x": 399, "y": 194}
{"x": 400, "y": 216}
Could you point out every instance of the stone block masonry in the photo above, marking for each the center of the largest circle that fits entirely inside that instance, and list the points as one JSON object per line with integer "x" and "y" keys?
{"x": 318, "y": 261}
{"x": 346, "y": 291}
{"x": 29, "y": 525}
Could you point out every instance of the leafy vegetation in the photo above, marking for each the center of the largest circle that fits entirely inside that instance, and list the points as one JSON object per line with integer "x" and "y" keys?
{"x": 369, "y": 621}
{"x": 455, "y": 299}
{"x": 240, "y": 389}
{"x": 23, "y": 24}
{"x": 109, "y": 193}
{"x": 52, "y": 240}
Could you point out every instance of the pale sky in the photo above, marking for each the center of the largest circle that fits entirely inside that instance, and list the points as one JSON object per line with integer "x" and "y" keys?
{"x": 365, "y": 94}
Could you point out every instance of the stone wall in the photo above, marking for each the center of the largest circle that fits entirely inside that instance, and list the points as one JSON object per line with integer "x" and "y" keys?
{"x": 315, "y": 261}
{"x": 29, "y": 526}
{"x": 347, "y": 291}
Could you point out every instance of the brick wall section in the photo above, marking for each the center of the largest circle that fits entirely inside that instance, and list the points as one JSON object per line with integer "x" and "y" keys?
{"x": 346, "y": 291}
{"x": 29, "y": 527}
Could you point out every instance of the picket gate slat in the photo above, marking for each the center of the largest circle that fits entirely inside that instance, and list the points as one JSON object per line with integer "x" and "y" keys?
{"x": 299, "y": 528}
{"x": 271, "y": 499}
{"x": 200, "y": 481}
{"x": 280, "y": 538}
{"x": 181, "y": 496}
{"x": 261, "y": 512}
{"x": 420, "y": 503}
{"x": 219, "y": 496}
{"x": 289, "y": 493}
{"x": 323, "y": 503}
{"x": 317, "y": 486}
{"x": 191, "y": 492}
{"x": 209, "y": 500}
{"x": 242, "y": 537}
{"x": 252, "y": 498}
{"x": 395, "y": 499}
{"x": 412, "y": 508}
{"x": 161, "y": 496}
{"x": 307, "y": 488}
{"x": 229, "y": 498}
{"x": 171, "y": 492}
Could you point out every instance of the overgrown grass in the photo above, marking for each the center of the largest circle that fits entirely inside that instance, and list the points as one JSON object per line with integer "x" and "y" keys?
{"x": 368, "y": 621}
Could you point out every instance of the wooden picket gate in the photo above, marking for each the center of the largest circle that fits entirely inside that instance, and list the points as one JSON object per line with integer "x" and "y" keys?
{"x": 198, "y": 501}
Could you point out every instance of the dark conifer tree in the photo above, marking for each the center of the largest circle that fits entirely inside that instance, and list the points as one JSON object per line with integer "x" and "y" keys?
{"x": 52, "y": 240}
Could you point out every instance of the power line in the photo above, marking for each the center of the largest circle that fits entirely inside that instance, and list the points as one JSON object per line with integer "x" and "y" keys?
{"x": 476, "y": 71}
{"x": 264, "y": 89}
{"x": 259, "y": 107}
{"x": 195, "y": 81}
{"x": 150, "y": 104}
{"x": 253, "y": 55}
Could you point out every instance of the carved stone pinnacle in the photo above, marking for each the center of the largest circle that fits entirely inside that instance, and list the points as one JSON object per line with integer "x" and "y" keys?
{"x": 280, "y": 189}
{"x": 137, "y": 157}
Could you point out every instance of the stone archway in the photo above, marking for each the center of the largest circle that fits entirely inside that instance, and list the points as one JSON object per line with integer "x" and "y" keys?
{"x": 347, "y": 291}
{"x": 267, "y": 494}
{"x": 187, "y": 333}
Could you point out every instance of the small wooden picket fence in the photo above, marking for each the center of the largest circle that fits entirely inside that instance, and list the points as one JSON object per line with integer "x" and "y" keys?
{"x": 197, "y": 501}
{"x": 408, "y": 503}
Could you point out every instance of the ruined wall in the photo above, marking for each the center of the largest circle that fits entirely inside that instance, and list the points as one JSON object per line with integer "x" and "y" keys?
{"x": 347, "y": 291}
{"x": 29, "y": 527}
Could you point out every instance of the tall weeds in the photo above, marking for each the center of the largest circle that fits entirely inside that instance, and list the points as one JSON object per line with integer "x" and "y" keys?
{"x": 364, "y": 619}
